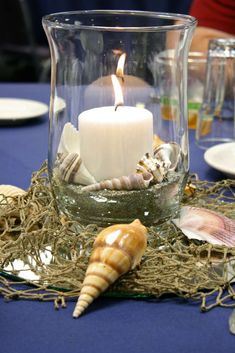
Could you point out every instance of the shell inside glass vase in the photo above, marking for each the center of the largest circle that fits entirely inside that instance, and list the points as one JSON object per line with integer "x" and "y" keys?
{"x": 113, "y": 157}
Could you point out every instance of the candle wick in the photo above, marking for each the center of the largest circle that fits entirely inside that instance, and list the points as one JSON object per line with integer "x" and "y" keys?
{"x": 118, "y": 105}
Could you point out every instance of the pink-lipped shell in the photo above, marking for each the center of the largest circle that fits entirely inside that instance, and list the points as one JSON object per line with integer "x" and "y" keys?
{"x": 206, "y": 225}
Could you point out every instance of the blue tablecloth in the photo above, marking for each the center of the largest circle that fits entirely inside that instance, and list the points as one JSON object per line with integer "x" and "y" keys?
{"x": 168, "y": 325}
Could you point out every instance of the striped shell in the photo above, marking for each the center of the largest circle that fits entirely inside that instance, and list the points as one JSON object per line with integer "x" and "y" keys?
{"x": 151, "y": 165}
{"x": 117, "y": 249}
{"x": 206, "y": 225}
{"x": 72, "y": 169}
{"x": 131, "y": 182}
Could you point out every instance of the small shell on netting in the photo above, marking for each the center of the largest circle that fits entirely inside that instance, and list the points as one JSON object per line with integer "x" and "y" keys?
{"x": 73, "y": 170}
{"x": 206, "y": 225}
{"x": 232, "y": 322}
{"x": 131, "y": 182}
{"x": 169, "y": 154}
{"x": 11, "y": 190}
{"x": 190, "y": 189}
{"x": 151, "y": 165}
{"x": 69, "y": 141}
{"x": 116, "y": 250}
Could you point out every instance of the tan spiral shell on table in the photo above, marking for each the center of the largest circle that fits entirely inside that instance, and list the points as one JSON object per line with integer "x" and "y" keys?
{"x": 131, "y": 182}
{"x": 117, "y": 249}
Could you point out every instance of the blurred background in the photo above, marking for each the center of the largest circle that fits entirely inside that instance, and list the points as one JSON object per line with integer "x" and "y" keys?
{"x": 24, "y": 52}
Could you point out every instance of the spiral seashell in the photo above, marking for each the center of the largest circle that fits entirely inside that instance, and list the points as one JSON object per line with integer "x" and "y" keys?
{"x": 131, "y": 182}
{"x": 117, "y": 249}
{"x": 168, "y": 154}
{"x": 72, "y": 169}
{"x": 69, "y": 141}
{"x": 206, "y": 225}
{"x": 151, "y": 165}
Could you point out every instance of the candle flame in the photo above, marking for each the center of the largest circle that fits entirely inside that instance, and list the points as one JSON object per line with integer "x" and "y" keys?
{"x": 117, "y": 92}
{"x": 120, "y": 66}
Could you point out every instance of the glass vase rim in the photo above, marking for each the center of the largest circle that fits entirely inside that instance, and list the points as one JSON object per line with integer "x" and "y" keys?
{"x": 190, "y": 21}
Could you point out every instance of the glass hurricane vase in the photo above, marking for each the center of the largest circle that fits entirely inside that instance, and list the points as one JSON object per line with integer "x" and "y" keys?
{"x": 113, "y": 154}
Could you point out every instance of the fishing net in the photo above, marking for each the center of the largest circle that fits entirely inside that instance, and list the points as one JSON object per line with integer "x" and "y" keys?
{"x": 44, "y": 255}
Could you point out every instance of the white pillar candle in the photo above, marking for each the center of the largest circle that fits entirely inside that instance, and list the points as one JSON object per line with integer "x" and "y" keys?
{"x": 112, "y": 142}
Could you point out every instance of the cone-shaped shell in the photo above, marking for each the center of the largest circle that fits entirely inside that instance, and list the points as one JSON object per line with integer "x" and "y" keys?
{"x": 206, "y": 225}
{"x": 131, "y": 182}
{"x": 116, "y": 250}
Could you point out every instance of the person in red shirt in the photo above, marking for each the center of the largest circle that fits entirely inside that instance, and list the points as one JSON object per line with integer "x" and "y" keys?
{"x": 216, "y": 19}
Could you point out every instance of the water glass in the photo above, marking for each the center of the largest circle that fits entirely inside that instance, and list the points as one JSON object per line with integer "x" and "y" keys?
{"x": 216, "y": 123}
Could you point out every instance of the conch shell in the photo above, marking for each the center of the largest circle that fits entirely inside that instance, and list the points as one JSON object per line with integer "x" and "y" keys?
{"x": 73, "y": 170}
{"x": 117, "y": 249}
{"x": 131, "y": 182}
{"x": 153, "y": 166}
{"x": 206, "y": 225}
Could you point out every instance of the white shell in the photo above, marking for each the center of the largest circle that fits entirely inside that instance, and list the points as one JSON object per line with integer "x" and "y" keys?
{"x": 73, "y": 170}
{"x": 69, "y": 141}
{"x": 11, "y": 190}
{"x": 169, "y": 154}
{"x": 206, "y": 225}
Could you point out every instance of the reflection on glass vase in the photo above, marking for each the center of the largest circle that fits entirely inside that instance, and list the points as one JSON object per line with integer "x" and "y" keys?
{"x": 112, "y": 156}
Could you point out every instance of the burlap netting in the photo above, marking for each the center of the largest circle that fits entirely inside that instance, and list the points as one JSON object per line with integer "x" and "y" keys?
{"x": 31, "y": 232}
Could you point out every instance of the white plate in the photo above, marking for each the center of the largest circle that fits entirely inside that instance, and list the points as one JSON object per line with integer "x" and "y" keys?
{"x": 13, "y": 109}
{"x": 222, "y": 158}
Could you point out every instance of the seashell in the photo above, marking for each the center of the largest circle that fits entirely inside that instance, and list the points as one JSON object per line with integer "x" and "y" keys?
{"x": 131, "y": 182}
{"x": 168, "y": 154}
{"x": 231, "y": 322}
{"x": 153, "y": 166}
{"x": 117, "y": 249}
{"x": 190, "y": 189}
{"x": 73, "y": 170}
{"x": 11, "y": 190}
{"x": 206, "y": 225}
{"x": 69, "y": 141}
